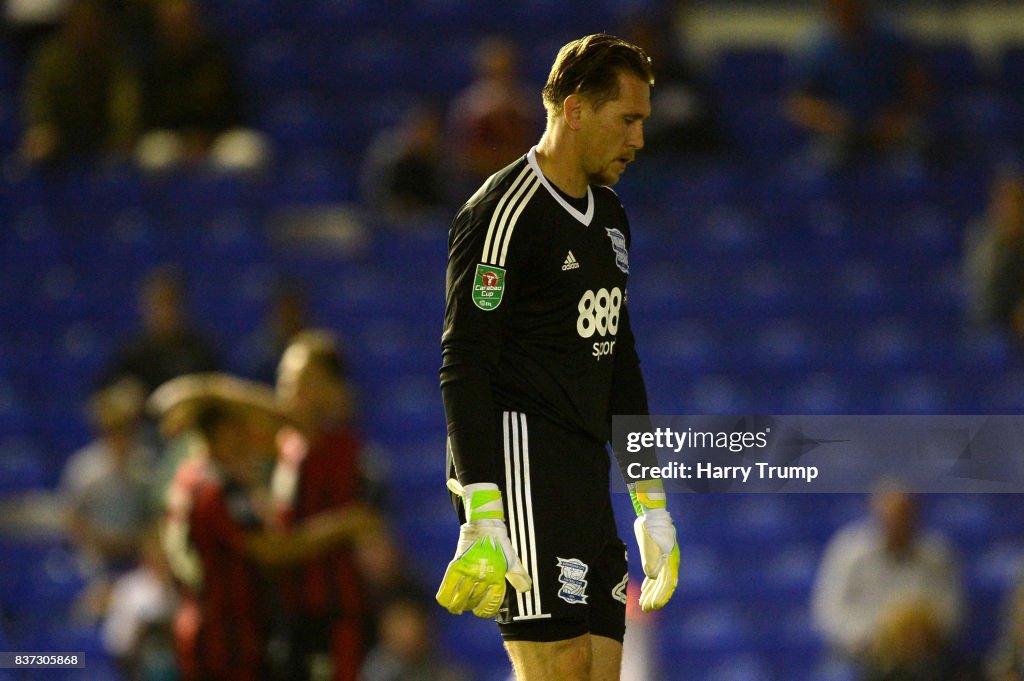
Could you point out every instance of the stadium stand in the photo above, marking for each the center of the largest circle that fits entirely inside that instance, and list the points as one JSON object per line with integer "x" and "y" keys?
{"x": 762, "y": 286}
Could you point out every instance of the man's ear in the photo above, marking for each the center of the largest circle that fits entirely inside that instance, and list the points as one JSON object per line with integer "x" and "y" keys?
{"x": 572, "y": 111}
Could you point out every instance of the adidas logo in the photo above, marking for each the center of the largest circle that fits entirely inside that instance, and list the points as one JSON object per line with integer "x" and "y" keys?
{"x": 570, "y": 263}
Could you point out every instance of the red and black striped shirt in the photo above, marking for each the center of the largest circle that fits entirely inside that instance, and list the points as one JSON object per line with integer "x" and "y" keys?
{"x": 221, "y": 629}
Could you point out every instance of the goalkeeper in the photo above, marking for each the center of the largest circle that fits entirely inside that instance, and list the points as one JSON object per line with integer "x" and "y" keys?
{"x": 538, "y": 354}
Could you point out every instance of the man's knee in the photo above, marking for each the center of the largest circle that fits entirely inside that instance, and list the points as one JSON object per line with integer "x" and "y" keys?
{"x": 568, "y": 660}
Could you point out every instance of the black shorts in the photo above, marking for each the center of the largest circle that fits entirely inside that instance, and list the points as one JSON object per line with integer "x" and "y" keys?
{"x": 561, "y": 523}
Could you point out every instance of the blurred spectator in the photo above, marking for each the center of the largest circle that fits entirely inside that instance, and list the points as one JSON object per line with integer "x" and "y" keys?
{"x": 871, "y": 564}
{"x": 137, "y": 628}
{"x": 385, "y": 575}
{"x": 259, "y": 353}
{"x": 81, "y": 93}
{"x": 490, "y": 123}
{"x": 167, "y": 346}
{"x": 995, "y": 258}
{"x": 406, "y": 651}
{"x": 319, "y": 470}
{"x": 401, "y": 173}
{"x": 860, "y": 87}
{"x": 911, "y": 644}
{"x": 386, "y": 572}
{"x": 1006, "y": 662}
{"x": 685, "y": 116}
{"x": 27, "y": 23}
{"x": 106, "y": 484}
{"x": 191, "y": 110}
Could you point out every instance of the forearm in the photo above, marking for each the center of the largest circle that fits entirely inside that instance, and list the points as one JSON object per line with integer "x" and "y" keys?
{"x": 315, "y": 536}
{"x": 472, "y": 428}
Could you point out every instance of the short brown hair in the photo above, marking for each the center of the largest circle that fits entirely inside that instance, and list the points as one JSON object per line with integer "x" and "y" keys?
{"x": 590, "y": 66}
{"x": 324, "y": 349}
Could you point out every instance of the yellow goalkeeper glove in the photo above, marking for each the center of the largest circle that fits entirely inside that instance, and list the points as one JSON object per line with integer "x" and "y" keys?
{"x": 656, "y": 537}
{"x": 484, "y": 558}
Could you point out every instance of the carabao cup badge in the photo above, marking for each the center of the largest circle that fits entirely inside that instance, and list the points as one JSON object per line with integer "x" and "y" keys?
{"x": 619, "y": 246}
{"x": 488, "y": 287}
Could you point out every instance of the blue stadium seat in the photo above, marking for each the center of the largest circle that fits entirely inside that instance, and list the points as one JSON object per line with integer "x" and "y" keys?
{"x": 688, "y": 347}
{"x": 741, "y": 74}
{"x": 915, "y": 394}
{"x": 9, "y": 70}
{"x": 759, "y": 128}
{"x": 786, "y": 343}
{"x": 964, "y": 189}
{"x": 815, "y": 393}
{"x": 10, "y": 120}
{"x": 340, "y": 18}
{"x": 369, "y": 62}
{"x": 15, "y": 417}
{"x": 1012, "y": 63}
{"x": 832, "y": 670}
{"x": 742, "y": 667}
{"x": 312, "y": 179}
{"x": 22, "y": 466}
{"x": 132, "y": 239}
{"x": 731, "y": 230}
{"x": 702, "y": 187}
{"x": 295, "y": 122}
{"x": 953, "y": 67}
{"x": 926, "y": 230}
{"x": 411, "y": 403}
{"x": 276, "y": 64}
{"x": 704, "y": 576}
{"x": 987, "y": 122}
{"x": 476, "y": 641}
{"x": 764, "y": 289}
{"x": 705, "y": 635}
{"x": 1004, "y": 394}
{"x": 94, "y": 194}
{"x": 35, "y": 236}
{"x": 792, "y": 569}
{"x": 239, "y": 20}
{"x": 891, "y": 343}
{"x": 417, "y": 470}
{"x": 997, "y": 568}
{"x": 970, "y": 521}
{"x": 758, "y": 521}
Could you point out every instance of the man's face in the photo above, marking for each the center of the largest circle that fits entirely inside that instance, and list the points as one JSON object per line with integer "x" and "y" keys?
{"x": 898, "y": 516}
{"x": 305, "y": 386}
{"x": 614, "y": 132}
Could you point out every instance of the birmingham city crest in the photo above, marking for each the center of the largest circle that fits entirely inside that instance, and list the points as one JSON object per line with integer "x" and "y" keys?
{"x": 619, "y": 246}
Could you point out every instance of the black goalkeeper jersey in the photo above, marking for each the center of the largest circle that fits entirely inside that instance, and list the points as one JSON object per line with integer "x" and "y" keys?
{"x": 535, "y": 318}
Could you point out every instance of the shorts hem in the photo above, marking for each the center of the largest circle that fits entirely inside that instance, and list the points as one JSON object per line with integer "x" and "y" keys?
{"x": 542, "y": 631}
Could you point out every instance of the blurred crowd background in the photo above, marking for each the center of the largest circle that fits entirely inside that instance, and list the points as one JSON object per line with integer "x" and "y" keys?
{"x": 828, "y": 218}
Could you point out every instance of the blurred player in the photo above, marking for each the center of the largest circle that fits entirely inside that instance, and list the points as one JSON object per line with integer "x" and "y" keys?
{"x": 215, "y": 520}
{"x": 537, "y": 356}
{"x": 319, "y": 470}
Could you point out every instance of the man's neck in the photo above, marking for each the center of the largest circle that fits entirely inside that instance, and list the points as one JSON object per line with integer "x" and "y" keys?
{"x": 559, "y": 164}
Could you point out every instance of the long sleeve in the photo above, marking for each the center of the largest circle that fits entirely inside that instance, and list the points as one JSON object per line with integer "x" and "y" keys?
{"x": 480, "y": 295}
{"x": 629, "y": 395}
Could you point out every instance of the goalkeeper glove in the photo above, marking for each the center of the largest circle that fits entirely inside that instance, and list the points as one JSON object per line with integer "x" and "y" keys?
{"x": 484, "y": 558}
{"x": 656, "y": 537}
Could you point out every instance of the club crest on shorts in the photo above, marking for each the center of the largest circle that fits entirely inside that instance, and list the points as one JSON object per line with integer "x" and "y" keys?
{"x": 619, "y": 592}
{"x": 619, "y": 246}
{"x": 573, "y": 580}
{"x": 488, "y": 287}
